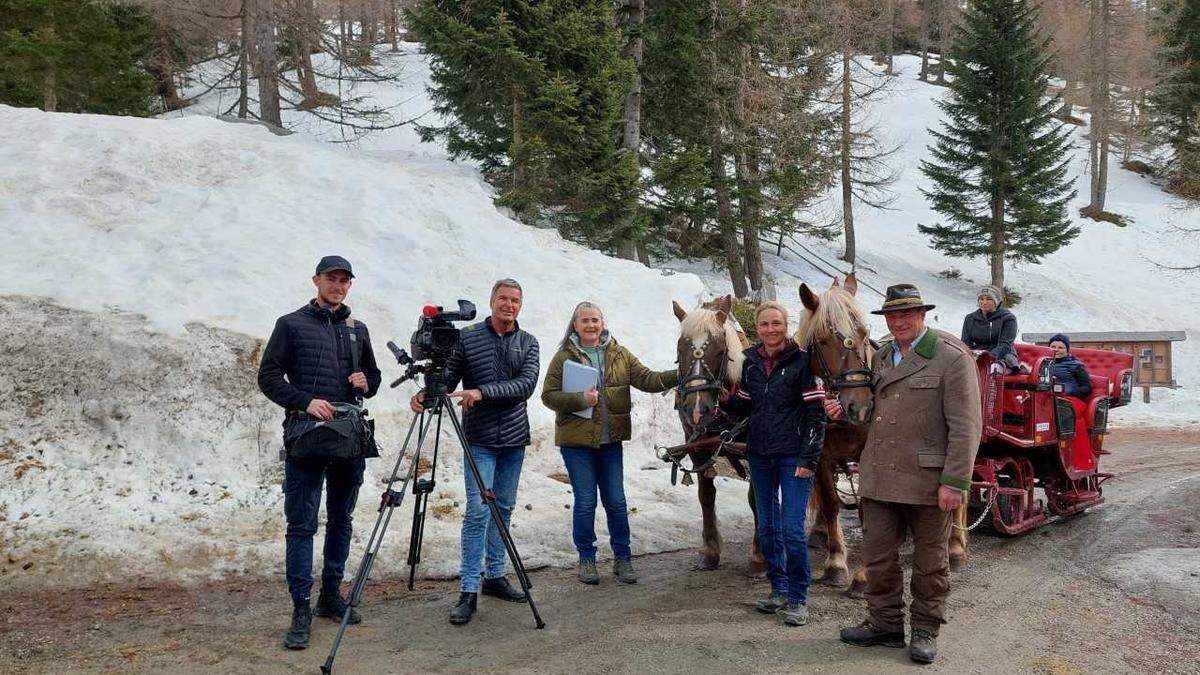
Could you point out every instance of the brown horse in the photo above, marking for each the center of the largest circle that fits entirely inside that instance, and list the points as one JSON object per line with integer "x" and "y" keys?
{"x": 834, "y": 331}
{"x": 710, "y": 363}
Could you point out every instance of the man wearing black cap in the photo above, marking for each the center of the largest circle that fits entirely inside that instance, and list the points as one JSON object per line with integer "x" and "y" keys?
{"x": 317, "y": 357}
{"x": 917, "y": 462}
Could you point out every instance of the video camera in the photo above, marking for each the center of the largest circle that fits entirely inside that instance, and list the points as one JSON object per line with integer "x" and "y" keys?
{"x": 433, "y": 342}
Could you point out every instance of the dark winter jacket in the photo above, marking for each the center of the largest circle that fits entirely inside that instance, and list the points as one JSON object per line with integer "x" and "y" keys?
{"x": 308, "y": 356}
{"x": 994, "y": 333}
{"x": 1072, "y": 375}
{"x": 504, "y": 368}
{"x": 785, "y": 408}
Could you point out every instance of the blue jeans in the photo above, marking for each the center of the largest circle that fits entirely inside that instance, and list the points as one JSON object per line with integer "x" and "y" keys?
{"x": 500, "y": 469}
{"x": 781, "y": 523}
{"x": 592, "y": 470}
{"x": 302, "y": 480}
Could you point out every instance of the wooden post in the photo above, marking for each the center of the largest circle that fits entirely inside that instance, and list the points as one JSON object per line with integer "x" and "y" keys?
{"x": 1146, "y": 394}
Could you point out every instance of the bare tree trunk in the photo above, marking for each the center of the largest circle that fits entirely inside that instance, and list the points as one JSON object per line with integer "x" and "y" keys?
{"x": 518, "y": 124}
{"x": 244, "y": 59}
{"x": 890, "y": 39}
{"x": 161, "y": 67}
{"x": 847, "y": 187}
{"x": 50, "y": 90}
{"x": 307, "y": 30}
{"x": 749, "y": 199}
{"x": 923, "y": 75}
{"x": 632, "y": 16}
{"x": 394, "y": 24}
{"x": 1067, "y": 108}
{"x": 945, "y": 21}
{"x": 998, "y": 243}
{"x": 1100, "y": 104}
{"x": 725, "y": 222}
{"x": 268, "y": 62}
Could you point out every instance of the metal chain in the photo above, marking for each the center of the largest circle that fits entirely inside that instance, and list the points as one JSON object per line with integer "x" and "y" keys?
{"x": 986, "y": 509}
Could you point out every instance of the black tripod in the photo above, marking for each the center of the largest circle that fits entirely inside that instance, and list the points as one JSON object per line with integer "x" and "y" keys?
{"x": 436, "y": 404}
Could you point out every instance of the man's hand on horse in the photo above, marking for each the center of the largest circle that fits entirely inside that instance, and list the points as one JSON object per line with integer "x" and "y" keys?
{"x": 833, "y": 409}
{"x": 804, "y": 472}
{"x": 949, "y": 498}
{"x": 592, "y": 396}
{"x": 467, "y": 397}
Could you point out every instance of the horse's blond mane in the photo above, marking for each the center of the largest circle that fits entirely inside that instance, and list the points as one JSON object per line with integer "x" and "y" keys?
{"x": 837, "y": 309}
{"x": 701, "y": 323}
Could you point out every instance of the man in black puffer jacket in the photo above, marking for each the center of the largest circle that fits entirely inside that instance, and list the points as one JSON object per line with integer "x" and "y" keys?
{"x": 992, "y": 328}
{"x": 498, "y": 366}
{"x": 307, "y": 366}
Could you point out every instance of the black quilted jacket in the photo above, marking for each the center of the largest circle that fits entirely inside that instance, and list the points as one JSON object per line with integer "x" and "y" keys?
{"x": 504, "y": 368}
{"x": 308, "y": 356}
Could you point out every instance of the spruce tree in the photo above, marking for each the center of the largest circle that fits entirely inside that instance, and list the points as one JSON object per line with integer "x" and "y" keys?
{"x": 534, "y": 91}
{"x": 999, "y": 167}
{"x": 76, "y": 56}
{"x": 1175, "y": 104}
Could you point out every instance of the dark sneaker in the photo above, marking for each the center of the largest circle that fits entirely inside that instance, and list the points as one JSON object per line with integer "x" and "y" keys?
{"x": 922, "y": 648}
{"x": 297, "y": 635}
{"x": 464, "y": 609}
{"x": 623, "y": 570}
{"x": 866, "y": 635}
{"x": 500, "y": 588}
{"x": 772, "y": 603}
{"x": 588, "y": 573}
{"x": 793, "y": 614}
{"x": 332, "y": 605}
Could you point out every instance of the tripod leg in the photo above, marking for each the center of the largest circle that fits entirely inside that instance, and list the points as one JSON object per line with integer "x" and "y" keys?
{"x": 489, "y": 499}
{"x": 391, "y": 500}
{"x": 421, "y": 494}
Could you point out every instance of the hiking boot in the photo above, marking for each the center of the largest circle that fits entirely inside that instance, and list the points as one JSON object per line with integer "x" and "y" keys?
{"x": 922, "y": 648}
{"x": 464, "y": 609}
{"x": 623, "y": 570}
{"x": 500, "y": 588}
{"x": 793, "y": 614}
{"x": 297, "y": 635}
{"x": 772, "y": 603}
{"x": 588, "y": 573}
{"x": 866, "y": 635}
{"x": 332, "y": 605}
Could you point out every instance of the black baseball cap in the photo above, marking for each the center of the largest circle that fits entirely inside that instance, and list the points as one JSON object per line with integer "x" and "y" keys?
{"x": 334, "y": 262}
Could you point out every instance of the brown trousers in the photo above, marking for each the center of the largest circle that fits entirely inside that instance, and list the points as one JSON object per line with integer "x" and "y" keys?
{"x": 885, "y": 525}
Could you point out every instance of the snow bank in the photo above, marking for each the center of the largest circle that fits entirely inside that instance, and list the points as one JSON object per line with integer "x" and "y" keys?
{"x": 145, "y": 447}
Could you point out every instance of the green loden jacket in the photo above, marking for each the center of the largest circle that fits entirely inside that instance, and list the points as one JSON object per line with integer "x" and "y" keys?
{"x": 926, "y": 424}
{"x": 621, "y": 370}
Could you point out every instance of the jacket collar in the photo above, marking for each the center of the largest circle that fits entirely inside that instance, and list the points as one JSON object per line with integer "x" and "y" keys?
{"x": 927, "y": 345}
{"x": 488, "y": 322}
{"x": 314, "y": 308}
{"x": 790, "y": 350}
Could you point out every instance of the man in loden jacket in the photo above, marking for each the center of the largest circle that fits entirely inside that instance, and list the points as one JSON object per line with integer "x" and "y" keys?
{"x": 914, "y": 469}
{"x": 307, "y": 366}
{"x": 498, "y": 366}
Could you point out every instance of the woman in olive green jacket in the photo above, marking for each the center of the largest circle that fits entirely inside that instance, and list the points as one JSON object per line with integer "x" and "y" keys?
{"x": 591, "y": 447}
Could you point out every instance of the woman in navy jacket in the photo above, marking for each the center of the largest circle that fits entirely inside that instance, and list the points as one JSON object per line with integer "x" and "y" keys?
{"x": 786, "y": 427}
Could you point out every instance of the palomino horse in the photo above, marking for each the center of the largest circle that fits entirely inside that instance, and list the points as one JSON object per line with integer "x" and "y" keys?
{"x": 835, "y": 333}
{"x": 710, "y": 363}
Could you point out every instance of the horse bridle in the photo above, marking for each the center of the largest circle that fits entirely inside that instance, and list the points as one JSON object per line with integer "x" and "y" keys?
{"x": 849, "y": 378}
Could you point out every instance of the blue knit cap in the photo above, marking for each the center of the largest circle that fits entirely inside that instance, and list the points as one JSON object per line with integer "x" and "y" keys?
{"x": 1061, "y": 338}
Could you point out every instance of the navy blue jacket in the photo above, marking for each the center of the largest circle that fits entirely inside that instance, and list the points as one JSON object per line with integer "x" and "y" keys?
{"x": 994, "y": 333}
{"x": 1072, "y": 375}
{"x": 786, "y": 413}
{"x": 504, "y": 368}
{"x": 308, "y": 356}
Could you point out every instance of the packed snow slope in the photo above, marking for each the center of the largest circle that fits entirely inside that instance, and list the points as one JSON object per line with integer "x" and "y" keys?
{"x": 148, "y": 259}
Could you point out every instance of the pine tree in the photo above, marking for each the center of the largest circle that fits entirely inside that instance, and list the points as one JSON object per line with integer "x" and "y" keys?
{"x": 1000, "y": 162}
{"x": 1175, "y": 105}
{"x": 76, "y": 56}
{"x": 535, "y": 91}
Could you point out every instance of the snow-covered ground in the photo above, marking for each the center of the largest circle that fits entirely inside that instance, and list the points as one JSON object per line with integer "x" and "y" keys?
{"x": 146, "y": 259}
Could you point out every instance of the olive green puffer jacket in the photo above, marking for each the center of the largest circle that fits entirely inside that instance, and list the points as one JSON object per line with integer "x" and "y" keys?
{"x": 621, "y": 370}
